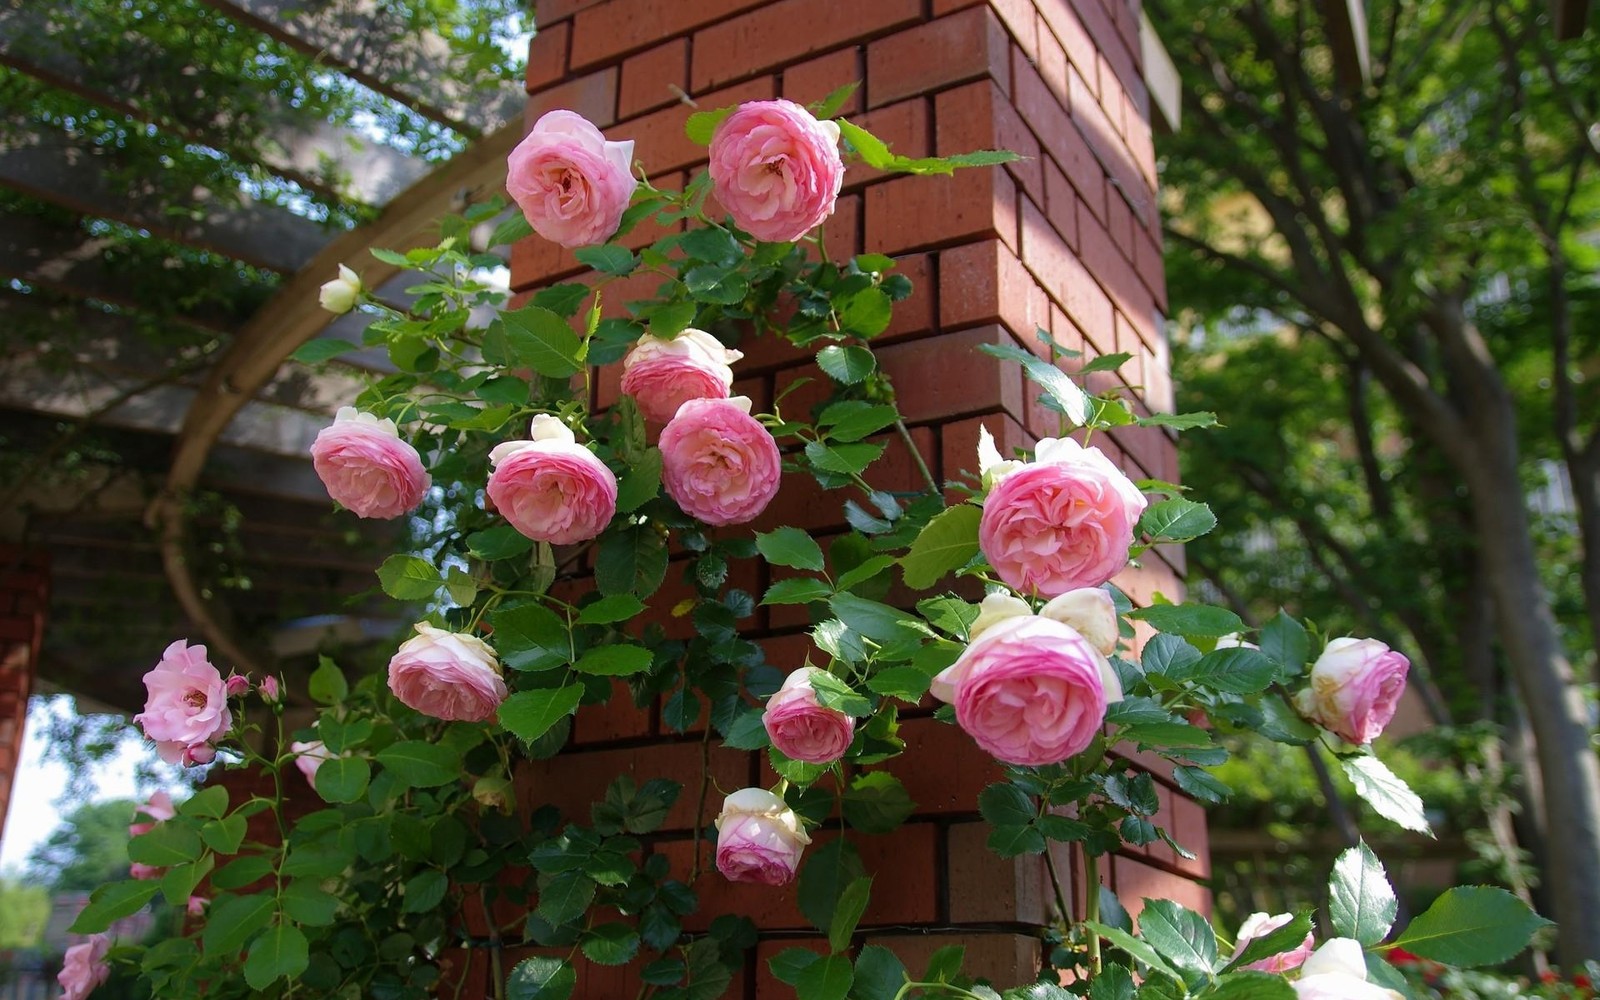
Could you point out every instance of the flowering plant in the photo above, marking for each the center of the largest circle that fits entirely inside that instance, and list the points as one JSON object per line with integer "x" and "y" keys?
{"x": 552, "y": 524}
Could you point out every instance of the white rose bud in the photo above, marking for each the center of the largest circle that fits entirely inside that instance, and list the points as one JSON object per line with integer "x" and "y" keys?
{"x": 1091, "y": 611}
{"x": 341, "y": 294}
{"x": 1338, "y": 971}
{"x": 996, "y": 608}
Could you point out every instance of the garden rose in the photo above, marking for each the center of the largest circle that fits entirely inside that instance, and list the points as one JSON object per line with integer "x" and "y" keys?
{"x": 800, "y": 728}
{"x": 84, "y": 967}
{"x": 1355, "y": 686}
{"x": 1091, "y": 611}
{"x": 186, "y": 703}
{"x": 1030, "y": 690}
{"x": 158, "y": 809}
{"x": 1061, "y": 522}
{"x": 367, "y": 467}
{"x": 269, "y": 689}
{"x": 996, "y": 608}
{"x": 448, "y": 675}
{"x": 759, "y": 838}
{"x": 309, "y": 755}
{"x": 342, "y": 293}
{"x": 196, "y": 907}
{"x": 718, "y": 462}
{"x": 570, "y": 182}
{"x": 550, "y": 487}
{"x": 776, "y": 169}
{"x": 1258, "y": 925}
{"x": 145, "y": 873}
{"x": 1337, "y": 971}
{"x": 661, "y": 375}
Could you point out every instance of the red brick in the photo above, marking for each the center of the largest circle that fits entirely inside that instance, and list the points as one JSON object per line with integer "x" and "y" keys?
{"x": 942, "y": 769}
{"x": 648, "y": 78}
{"x": 952, "y": 378}
{"x": 1113, "y": 154}
{"x": 980, "y": 116}
{"x": 842, "y": 232}
{"x": 1111, "y": 97}
{"x": 658, "y": 136}
{"x": 1137, "y": 881}
{"x": 547, "y": 56}
{"x": 811, "y": 81}
{"x": 1189, "y": 822}
{"x": 1052, "y": 61}
{"x": 618, "y": 718}
{"x": 546, "y": 11}
{"x": 1116, "y": 274}
{"x": 1001, "y": 958}
{"x": 1119, "y": 224}
{"x": 1060, "y": 137}
{"x": 916, "y": 314}
{"x": 913, "y": 213}
{"x": 986, "y": 888}
{"x": 958, "y": 446}
{"x": 575, "y": 780}
{"x": 782, "y": 32}
{"x": 1064, "y": 276}
{"x": 964, "y": 46}
{"x": 593, "y": 96}
{"x": 1102, "y": 31}
{"x": 1147, "y": 260}
{"x": 1020, "y": 21}
{"x": 1069, "y": 30}
{"x": 605, "y": 30}
{"x": 1061, "y": 204}
{"x": 992, "y": 286}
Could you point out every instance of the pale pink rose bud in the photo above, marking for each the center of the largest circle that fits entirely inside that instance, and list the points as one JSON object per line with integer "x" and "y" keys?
{"x": 551, "y": 488}
{"x": 145, "y": 873}
{"x": 718, "y": 463}
{"x": 1234, "y": 640}
{"x": 342, "y": 293}
{"x": 1091, "y": 611}
{"x": 1258, "y": 925}
{"x": 158, "y": 809}
{"x": 759, "y": 838}
{"x": 661, "y": 375}
{"x": 309, "y": 755}
{"x": 367, "y": 467}
{"x": 570, "y": 182}
{"x": 196, "y": 907}
{"x": 1063, "y": 521}
{"x": 237, "y": 685}
{"x": 198, "y": 753}
{"x": 1338, "y": 971}
{"x": 1030, "y": 690}
{"x": 800, "y": 728}
{"x": 447, "y": 675}
{"x": 187, "y": 700}
{"x": 776, "y": 169}
{"x": 996, "y": 608}
{"x": 991, "y": 465}
{"x": 1355, "y": 687}
{"x": 269, "y": 689}
{"x": 84, "y": 967}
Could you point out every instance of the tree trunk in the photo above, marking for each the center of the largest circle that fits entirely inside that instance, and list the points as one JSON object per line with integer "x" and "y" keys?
{"x": 1584, "y": 468}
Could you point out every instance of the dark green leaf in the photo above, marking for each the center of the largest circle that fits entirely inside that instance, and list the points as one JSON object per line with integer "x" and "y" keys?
{"x": 615, "y": 661}
{"x": 420, "y": 764}
{"x": 879, "y": 974}
{"x": 1234, "y": 669}
{"x": 322, "y": 349}
{"x": 611, "y": 944}
{"x": 844, "y": 459}
{"x": 823, "y": 879}
{"x": 616, "y": 608}
{"x": 852, "y": 904}
{"x": 541, "y": 979}
{"x": 280, "y": 953}
{"x": 641, "y": 483}
{"x": 876, "y": 802}
{"x": 530, "y": 637}
{"x": 607, "y": 258}
{"x": 565, "y": 897}
{"x": 848, "y": 365}
{"x": 534, "y": 337}
{"x": 790, "y": 547}
{"x": 1190, "y": 619}
{"x": 1470, "y": 926}
{"x": 1177, "y": 520}
{"x": 528, "y": 715}
{"x": 1360, "y": 901}
{"x": 113, "y": 901}
{"x": 343, "y": 779}
{"x": 825, "y": 979}
{"x": 797, "y": 590}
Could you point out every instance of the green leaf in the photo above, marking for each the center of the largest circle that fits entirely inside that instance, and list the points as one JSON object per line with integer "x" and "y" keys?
{"x": 500, "y": 542}
{"x": 241, "y": 872}
{"x": 1234, "y": 669}
{"x": 1286, "y": 938}
{"x": 168, "y": 844}
{"x": 1200, "y": 785}
{"x": 797, "y": 590}
{"x": 514, "y": 228}
{"x": 419, "y": 764}
{"x": 831, "y": 692}
{"x": 702, "y": 125}
{"x": 825, "y": 979}
{"x": 1386, "y": 793}
{"x": 631, "y": 560}
{"x": 528, "y": 715}
{"x": 327, "y": 684}
{"x": 1006, "y": 805}
{"x": 607, "y": 258}
{"x": 1181, "y": 936}
{"x": 409, "y": 578}
{"x": 1073, "y": 401}
{"x": 790, "y": 547}
{"x": 830, "y": 869}
{"x": 1010, "y": 841}
{"x": 322, "y": 349}
{"x": 869, "y": 147}
{"x": 844, "y": 459}
{"x": 879, "y": 974}
{"x": 306, "y": 902}
{"x": 1177, "y": 520}
{"x": 848, "y": 365}
{"x": 830, "y": 105}
{"x": 534, "y": 337}
{"x": 225, "y": 835}
{"x": 541, "y": 979}
{"x": 343, "y": 779}
{"x": 1360, "y": 900}
{"x": 280, "y": 953}
{"x": 1190, "y": 619}
{"x": 852, "y": 904}
{"x": 615, "y": 661}
{"x": 530, "y": 637}
{"x": 1251, "y": 985}
{"x": 565, "y": 897}
{"x": 113, "y": 901}
{"x": 1179, "y": 421}
{"x": 905, "y": 683}
{"x": 1115, "y": 982}
{"x": 616, "y": 608}
{"x": 1283, "y": 639}
{"x": 641, "y": 483}
{"x": 178, "y": 884}
{"x": 230, "y": 924}
{"x": 611, "y": 944}
{"x": 947, "y": 543}
{"x": 1136, "y": 948}
{"x": 424, "y": 891}
{"x": 746, "y": 731}
{"x": 866, "y": 312}
{"x": 1164, "y": 654}
{"x": 787, "y": 964}
{"x": 876, "y": 802}
{"x": 671, "y": 318}
{"x": 1472, "y": 925}
{"x": 854, "y": 419}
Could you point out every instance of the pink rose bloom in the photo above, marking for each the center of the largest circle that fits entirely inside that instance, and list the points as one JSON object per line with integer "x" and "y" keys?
{"x": 759, "y": 838}
{"x": 367, "y": 467}
{"x": 800, "y": 728}
{"x": 144, "y": 872}
{"x": 661, "y": 375}
{"x": 1355, "y": 687}
{"x": 1061, "y": 522}
{"x": 448, "y": 675}
{"x": 269, "y": 688}
{"x": 1030, "y": 690}
{"x": 196, "y": 907}
{"x": 718, "y": 462}
{"x": 550, "y": 487}
{"x": 1337, "y": 971}
{"x": 158, "y": 809}
{"x": 84, "y": 967}
{"x": 187, "y": 701}
{"x": 571, "y": 184}
{"x": 309, "y": 755}
{"x": 776, "y": 169}
{"x": 1259, "y": 925}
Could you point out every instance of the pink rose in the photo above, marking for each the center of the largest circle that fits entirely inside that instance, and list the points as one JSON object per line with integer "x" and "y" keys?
{"x": 1061, "y": 522}
{"x": 661, "y": 375}
{"x": 269, "y": 689}
{"x": 144, "y": 872}
{"x": 1030, "y": 690}
{"x": 367, "y": 467}
{"x": 84, "y": 967}
{"x": 198, "y": 753}
{"x": 448, "y": 675}
{"x": 759, "y": 838}
{"x": 571, "y": 184}
{"x": 718, "y": 462}
{"x": 1355, "y": 686}
{"x": 1259, "y": 925}
{"x": 800, "y": 728}
{"x": 158, "y": 809}
{"x": 309, "y": 755}
{"x": 187, "y": 701}
{"x": 1338, "y": 971}
{"x": 196, "y": 907}
{"x": 551, "y": 488}
{"x": 776, "y": 169}
{"x": 238, "y": 684}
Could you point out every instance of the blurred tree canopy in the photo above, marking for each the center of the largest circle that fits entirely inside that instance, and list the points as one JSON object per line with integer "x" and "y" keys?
{"x": 89, "y": 849}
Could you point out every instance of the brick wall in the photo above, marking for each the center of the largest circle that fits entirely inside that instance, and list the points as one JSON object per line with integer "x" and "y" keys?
{"x": 1067, "y": 240}
{"x": 24, "y": 600}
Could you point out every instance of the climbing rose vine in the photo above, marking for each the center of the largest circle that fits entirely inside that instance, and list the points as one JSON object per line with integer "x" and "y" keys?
{"x": 392, "y": 828}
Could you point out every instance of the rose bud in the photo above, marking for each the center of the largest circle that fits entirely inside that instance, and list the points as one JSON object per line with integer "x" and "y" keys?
{"x": 1355, "y": 687}
{"x": 800, "y": 728}
{"x": 1091, "y": 611}
{"x": 342, "y": 293}
{"x": 269, "y": 689}
{"x": 367, "y": 467}
{"x": 759, "y": 838}
{"x": 237, "y": 685}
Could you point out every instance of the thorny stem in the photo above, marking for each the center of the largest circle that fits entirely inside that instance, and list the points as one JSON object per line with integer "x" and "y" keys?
{"x": 1091, "y": 908}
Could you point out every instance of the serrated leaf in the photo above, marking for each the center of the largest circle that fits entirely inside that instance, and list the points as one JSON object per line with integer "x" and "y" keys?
{"x": 611, "y": 944}
{"x": 855, "y": 419}
{"x": 1388, "y": 795}
{"x": 1136, "y": 948}
{"x": 607, "y": 258}
{"x": 702, "y": 125}
{"x": 530, "y": 637}
{"x": 797, "y": 590}
{"x": 823, "y": 879}
{"x": 528, "y": 715}
{"x": 879, "y": 974}
{"x": 830, "y": 105}
{"x": 1286, "y": 938}
{"x": 852, "y": 904}
{"x": 409, "y": 578}
{"x": 615, "y": 661}
{"x": 1177, "y": 520}
{"x": 1071, "y": 400}
{"x": 825, "y": 979}
{"x": 1284, "y": 640}
{"x": 534, "y": 337}
{"x": 876, "y": 802}
{"x": 1200, "y": 785}
{"x": 1470, "y": 926}
{"x": 1190, "y": 619}
{"x": 322, "y": 349}
{"x": 279, "y": 953}
{"x": 424, "y": 891}
{"x": 1234, "y": 669}
{"x": 565, "y": 897}
{"x": 1179, "y": 421}
{"x": 844, "y": 459}
{"x": 615, "y": 608}
{"x": 1361, "y": 902}
{"x": 790, "y": 547}
{"x": 343, "y": 779}
{"x": 1251, "y": 985}
{"x": 947, "y": 543}
{"x": 848, "y": 365}
{"x": 541, "y": 979}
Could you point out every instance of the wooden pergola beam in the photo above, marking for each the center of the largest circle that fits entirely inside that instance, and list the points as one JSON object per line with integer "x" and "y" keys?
{"x": 1571, "y": 18}
{"x": 1347, "y": 38}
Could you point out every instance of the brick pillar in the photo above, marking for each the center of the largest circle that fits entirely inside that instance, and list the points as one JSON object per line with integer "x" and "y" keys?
{"x": 1067, "y": 240}
{"x": 24, "y": 601}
